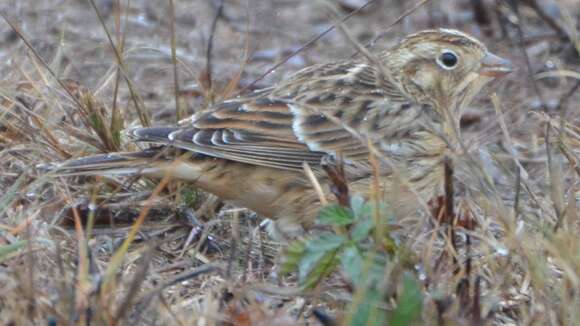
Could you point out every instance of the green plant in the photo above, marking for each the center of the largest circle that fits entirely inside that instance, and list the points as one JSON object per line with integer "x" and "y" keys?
{"x": 367, "y": 265}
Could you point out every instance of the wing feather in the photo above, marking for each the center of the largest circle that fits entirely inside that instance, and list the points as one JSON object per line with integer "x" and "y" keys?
{"x": 245, "y": 132}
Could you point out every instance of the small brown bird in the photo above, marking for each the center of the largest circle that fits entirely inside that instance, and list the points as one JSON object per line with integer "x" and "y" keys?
{"x": 405, "y": 103}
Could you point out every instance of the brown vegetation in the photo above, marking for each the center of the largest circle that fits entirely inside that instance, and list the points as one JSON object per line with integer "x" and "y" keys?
{"x": 120, "y": 251}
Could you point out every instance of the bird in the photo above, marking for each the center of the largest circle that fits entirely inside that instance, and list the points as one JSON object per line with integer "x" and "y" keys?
{"x": 401, "y": 104}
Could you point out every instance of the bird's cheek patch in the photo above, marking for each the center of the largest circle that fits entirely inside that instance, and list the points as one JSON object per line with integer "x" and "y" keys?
{"x": 424, "y": 79}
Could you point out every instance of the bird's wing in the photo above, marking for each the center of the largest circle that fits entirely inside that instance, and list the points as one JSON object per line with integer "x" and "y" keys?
{"x": 256, "y": 132}
{"x": 326, "y": 109}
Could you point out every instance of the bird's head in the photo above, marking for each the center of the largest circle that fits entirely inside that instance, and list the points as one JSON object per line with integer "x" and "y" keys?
{"x": 444, "y": 67}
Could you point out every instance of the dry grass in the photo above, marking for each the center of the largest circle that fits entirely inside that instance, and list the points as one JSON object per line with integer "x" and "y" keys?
{"x": 85, "y": 250}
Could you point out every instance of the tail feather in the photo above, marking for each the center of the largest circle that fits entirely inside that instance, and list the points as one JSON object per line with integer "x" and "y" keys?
{"x": 114, "y": 164}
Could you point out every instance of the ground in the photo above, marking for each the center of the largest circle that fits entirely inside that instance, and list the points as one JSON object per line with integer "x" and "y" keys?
{"x": 78, "y": 250}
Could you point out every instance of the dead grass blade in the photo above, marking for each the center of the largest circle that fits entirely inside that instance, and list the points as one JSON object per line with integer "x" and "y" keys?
{"x": 179, "y": 114}
{"x": 314, "y": 181}
{"x": 118, "y": 256}
{"x": 135, "y": 96}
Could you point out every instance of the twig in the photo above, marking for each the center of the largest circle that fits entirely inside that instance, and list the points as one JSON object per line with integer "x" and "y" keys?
{"x": 566, "y": 97}
{"x": 481, "y": 15}
{"x": 450, "y": 217}
{"x": 382, "y": 225}
{"x": 449, "y": 214}
{"x": 338, "y": 181}
{"x": 310, "y": 174}
{"x": 121, "y": 41}
{"x": 372, "y": 58}
{"x": 135, "y": 284}
{"x": 517, "y": 192}
{"x": 248, "y": 255}
{"x": 208, "y": 54}
{"x": 235, "y": 243}
{"x": 187, "y": 275}
{"x": 515, "y": 8}
{"x": 548, "y": 19}
{"x": 476, "y": 302}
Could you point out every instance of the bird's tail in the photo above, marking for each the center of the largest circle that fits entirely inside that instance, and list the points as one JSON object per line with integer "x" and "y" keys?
{"x": 148, "y": 162}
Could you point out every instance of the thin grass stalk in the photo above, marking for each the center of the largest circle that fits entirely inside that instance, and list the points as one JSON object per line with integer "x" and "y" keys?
{"x": 381, "y": 228}
{"x": 117, "y": 258}
{"x": 210, "y": 94}
{"x": 83, "y": 284}
{"x": 179, "y": 114}
{"x": 394, "y": 23}
{"x": 39, "y": 58}
{"x": 135, "y": 96}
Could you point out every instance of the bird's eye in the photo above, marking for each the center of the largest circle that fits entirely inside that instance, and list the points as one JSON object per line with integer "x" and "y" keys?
{"x": 447, "y": 60}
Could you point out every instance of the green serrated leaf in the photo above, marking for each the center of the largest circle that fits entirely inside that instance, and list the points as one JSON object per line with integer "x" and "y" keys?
{"x": 361, "y": 229}
{"x": 315, "y": 251}
{"x": 292, "y": 256}
{"x": 352, "y": 263}
{"x": 368, "y": 311}
{"x": 325, "y": 266}
{"x": 410, "y": 303}
{"x": 335, "y": 214}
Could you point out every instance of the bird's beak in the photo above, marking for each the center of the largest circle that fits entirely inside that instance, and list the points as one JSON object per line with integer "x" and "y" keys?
{"x": 494, "y": 66}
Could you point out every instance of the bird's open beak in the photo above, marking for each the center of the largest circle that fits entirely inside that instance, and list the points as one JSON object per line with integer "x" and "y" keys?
{"x": 494, "y": 66}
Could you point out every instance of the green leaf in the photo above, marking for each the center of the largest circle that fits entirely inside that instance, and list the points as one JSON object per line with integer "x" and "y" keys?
{"x": 315, "y": 251}
{"x": 117, "y": 125}
{"x": 359, "y": 207}
{"x": 96, "y": 122}
{"x": 410, "y": 302}
{"x": 335, "y": 214}
{"x": 368, "y": 311}
{"x": 352, "y": 264}
{"x": 361, "y": 229}
{"x": 292, "y": 256}
{"x": 190, "y": 196}
{"x": 325, "y": 266}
